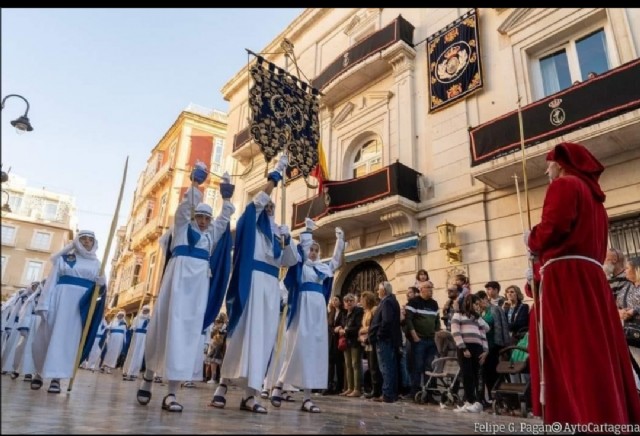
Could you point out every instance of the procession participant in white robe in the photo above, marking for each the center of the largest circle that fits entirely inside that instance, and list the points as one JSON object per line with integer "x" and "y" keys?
{"x": 96, "y": 349}
{"x": 174, "y": 331}
{"x": 11, "y": 349}
{"x": 277, "y": 357}
{"x": 116, "y": 338}
{"x": 253, "y": 296}
{"x": 63, "y": 307}
{"x": 23, "y": 329}
{"x": 133, "y": 362}
{"x": 309, "y": 285}
{"x": 28, "y": 327}
{"x": 10, "y": 320}
{"x": 198, "y": 367}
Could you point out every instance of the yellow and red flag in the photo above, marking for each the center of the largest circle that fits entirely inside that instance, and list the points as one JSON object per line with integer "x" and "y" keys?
{"x": 320, "y": 171}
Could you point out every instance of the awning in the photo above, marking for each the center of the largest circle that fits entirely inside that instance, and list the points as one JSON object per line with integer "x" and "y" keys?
{"x": 386, "y": 248}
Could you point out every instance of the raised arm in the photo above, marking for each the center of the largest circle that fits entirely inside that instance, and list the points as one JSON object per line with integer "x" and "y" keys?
{"x": 338, "y": 251}
{"x": 219, "y": 226}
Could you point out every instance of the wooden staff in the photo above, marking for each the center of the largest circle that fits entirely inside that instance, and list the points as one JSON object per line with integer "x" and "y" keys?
{"x": 96, "y": 290}
{"x": 534, "y": 290}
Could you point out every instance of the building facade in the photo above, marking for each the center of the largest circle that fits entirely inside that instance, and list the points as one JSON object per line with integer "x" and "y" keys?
{"x": 412, "y": 143}
{"x": 198, "y": 134}
{"x": 36, "y": 223}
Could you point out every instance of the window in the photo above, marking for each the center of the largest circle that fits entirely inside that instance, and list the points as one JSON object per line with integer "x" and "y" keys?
{"x": 216, "y": 160}
{"x": 573, "y": 61}
{"x": 5, "y": 260}
{"x": 33, "y": 271}
{"x": 8, "y": 235}
{"x": 368, "y": 158}
{"x": 15, "y": 201}
{"x": 212, "y": 198}
{"x": 163, "y": 206}
{"x": 50, "y": 210}
{"x": 41, "y": 241}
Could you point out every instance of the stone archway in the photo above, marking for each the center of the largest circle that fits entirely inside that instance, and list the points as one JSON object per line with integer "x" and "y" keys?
{"x": 365, "y": 276}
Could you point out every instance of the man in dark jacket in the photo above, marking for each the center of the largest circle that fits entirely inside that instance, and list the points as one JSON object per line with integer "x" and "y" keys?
{"x": 385, "y": 333}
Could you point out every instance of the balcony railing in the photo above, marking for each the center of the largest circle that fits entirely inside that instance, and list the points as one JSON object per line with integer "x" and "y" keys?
{"x": 608, "y": 95}
{"x": 149, "y": 232}
{"x": 131, "y": 294}
{"x": 395, "y": 179}
{"x": 398, "y": 30}
{"x": 152, "y": 182}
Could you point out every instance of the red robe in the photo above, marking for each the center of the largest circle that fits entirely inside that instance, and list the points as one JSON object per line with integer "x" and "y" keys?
{"x": 587, "y": 370}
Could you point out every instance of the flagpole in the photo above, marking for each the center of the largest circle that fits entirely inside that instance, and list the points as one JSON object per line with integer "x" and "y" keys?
{"x": 96, "y": 290}
{"x": 534, "y": 290}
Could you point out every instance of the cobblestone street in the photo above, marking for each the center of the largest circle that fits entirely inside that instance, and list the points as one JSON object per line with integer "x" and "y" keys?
{"x": 104, "y": 404}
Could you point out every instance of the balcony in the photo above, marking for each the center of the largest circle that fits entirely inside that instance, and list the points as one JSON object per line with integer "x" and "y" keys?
{"x": 602, "y": 113}
{"x": 358, "y": 66}
{"x": 387, "y": 195}
{"x": 131, "y": 295}
{"x": 150, "y": 185}
{"x": 146, "y": 234}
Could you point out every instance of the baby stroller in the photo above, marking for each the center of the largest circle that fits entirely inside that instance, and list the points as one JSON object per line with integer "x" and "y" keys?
{"x": 444, "y": 382}
{"x": 512, "y": 390}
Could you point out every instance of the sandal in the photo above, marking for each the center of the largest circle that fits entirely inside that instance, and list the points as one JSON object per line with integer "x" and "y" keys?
{"x": 276, "y": 400}
{"x": 14, "y": 375}
{"x": 54, "y": 387}
{"x": 289, "y": 399}
{"x": 256, "y": 408}
{"x": 264, "y": 394}
{"x": 173, "y": 406}
{"x": 308, "y": 406}
{"x": 143, "y": 396}
{"x": 219, "y": 401}
{"x": 36, "y": 383}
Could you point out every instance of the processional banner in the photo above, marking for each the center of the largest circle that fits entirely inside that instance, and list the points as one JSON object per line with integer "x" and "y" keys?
{"x": 453, "y": 56}
{"x": 284, "y": 115}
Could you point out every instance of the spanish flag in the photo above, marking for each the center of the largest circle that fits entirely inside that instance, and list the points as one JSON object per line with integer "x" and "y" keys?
{"x": 321, "y": 171}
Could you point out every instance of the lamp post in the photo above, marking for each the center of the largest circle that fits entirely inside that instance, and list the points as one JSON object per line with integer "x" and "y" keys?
{"x": 447, "y": 240}
{"x": 22, "y": 124}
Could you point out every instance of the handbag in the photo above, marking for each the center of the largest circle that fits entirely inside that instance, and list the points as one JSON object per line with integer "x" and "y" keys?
{"x": 342, "y": 343}
{"x": 632, "y": 333}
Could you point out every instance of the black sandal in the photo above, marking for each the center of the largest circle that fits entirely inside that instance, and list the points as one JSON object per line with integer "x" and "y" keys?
{"x": 36, "y": 383}
{"x": 173, "y": 406}
{"x": 54, "y": 387}
{"x": 143, "y": 396}
{"x": 218, "y": 400}
{"x": 289, "y": 399}
{"x": 256, "y": 408}
{"x": 311, "y": 409}
{"x": 14, "y": 375}
{"x": 276, "y": 400}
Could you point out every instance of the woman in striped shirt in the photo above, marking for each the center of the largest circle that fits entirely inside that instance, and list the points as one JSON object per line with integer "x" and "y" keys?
{"x": 469, "y": 331}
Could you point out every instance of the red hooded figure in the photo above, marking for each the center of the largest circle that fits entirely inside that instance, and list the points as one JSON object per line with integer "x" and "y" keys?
{"x": 585, "y": 359}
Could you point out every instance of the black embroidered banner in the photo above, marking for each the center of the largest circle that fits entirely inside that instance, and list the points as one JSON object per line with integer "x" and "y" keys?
{"x": 453, "y": 56}
{"x": 284, "y": 115}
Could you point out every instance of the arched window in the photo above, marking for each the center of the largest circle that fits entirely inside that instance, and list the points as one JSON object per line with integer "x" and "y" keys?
{"x": 368, "y": 158}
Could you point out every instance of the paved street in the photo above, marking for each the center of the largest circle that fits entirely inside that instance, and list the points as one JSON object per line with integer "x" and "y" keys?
{"x": 104, "y": 404}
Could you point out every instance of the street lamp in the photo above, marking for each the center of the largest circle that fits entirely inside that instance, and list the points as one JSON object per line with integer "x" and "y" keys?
{"x": 22, "y": 124}
{"x": 5, "y": 206}
{"x": 447, "y": 240}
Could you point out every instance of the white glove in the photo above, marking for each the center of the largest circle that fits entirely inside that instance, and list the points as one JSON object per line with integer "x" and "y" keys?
{"x": 525, "y": 237}
{"x": 101, "y": 280}
{"x": 310, "y": 224}
{"x": 339, "y": 233}
{"x": 282, "y": 164}
{"x": 284, "y": 230}
{"x": 226, "y": 178}
{"x": 529, "y": 274}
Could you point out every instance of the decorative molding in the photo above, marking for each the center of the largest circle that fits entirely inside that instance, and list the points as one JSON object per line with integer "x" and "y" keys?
{"x": 344, "y": 113}
{"x": 355, "y": 243}
{"x": 401, "y": 223}
{"x": 515, "y": 19}
{"x": 457, "y": 269}
{"x": 401, "y": 57}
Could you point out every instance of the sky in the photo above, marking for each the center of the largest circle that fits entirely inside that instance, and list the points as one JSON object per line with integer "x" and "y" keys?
{"x": 104, "y": 84}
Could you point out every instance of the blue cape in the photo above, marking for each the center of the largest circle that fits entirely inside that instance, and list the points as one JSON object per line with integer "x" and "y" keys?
{"x": 220, "y": 264}
{"x": 293, "y": 282}
{"x": 96, "y": 319}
